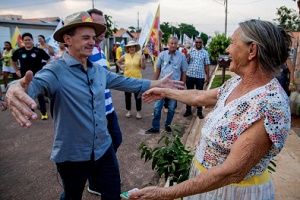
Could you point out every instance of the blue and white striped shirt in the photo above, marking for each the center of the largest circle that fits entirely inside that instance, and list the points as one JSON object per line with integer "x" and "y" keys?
{"x": 101, "y": 60}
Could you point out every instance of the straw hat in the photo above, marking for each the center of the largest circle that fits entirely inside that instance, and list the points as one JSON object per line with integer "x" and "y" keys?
{"x": 132, "y": 43}
{"x": 75, "y": 20}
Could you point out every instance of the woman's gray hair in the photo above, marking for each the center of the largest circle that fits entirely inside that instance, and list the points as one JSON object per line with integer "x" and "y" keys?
{"x": 273, "y": 43}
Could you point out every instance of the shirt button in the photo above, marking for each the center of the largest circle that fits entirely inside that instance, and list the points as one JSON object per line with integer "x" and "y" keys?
{"x": 95, "y": 112}
{"x": 96, "y": 137}
{"x": 96, "y": 124}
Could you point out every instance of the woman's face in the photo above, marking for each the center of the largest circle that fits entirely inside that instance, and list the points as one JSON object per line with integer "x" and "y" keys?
{"x": 238, "y": 51}
{"x": 41, "y": 40}
{"x": 7, "y": 46}
{"x": 61, "y": 45}
{"x": 131, "y": 49}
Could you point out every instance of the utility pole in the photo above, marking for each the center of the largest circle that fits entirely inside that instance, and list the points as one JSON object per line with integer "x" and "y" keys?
{"x": 138, "y": 25}
{"x": 93, "y": 4}
{"x": 226, "y": 6}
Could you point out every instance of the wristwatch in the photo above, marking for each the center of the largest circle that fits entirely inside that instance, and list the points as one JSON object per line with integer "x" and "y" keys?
{"x": 291, "y": 83}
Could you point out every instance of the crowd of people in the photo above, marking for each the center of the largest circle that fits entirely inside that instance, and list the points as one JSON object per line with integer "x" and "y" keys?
{"x": 246, "y": 129}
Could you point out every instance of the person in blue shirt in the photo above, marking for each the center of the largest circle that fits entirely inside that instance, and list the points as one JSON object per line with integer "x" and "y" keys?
{"x": 111, "y": 115}
{"x": 168, "y": 61}
{"x": 82, "y": 146}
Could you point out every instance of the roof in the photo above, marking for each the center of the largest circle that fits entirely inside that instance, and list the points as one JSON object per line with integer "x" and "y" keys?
{"x": 121, "y": 32}
{"x": 135, "y": 35}
{"x": 18, "y": 19}
{"x": 44, "y": 20}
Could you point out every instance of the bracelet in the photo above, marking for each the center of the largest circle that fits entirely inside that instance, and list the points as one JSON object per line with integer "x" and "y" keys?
{"x": 1, "y": 99}
{"x": 291, "y": 83}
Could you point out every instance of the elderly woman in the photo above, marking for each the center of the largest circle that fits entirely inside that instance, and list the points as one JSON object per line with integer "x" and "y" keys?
{"x": 134, "y": 63}
{"x": 247, "y": 127}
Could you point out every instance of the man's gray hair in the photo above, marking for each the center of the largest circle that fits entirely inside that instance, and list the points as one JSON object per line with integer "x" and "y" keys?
{"x": 273, "y": 43}
{"x": 172, "y": 38}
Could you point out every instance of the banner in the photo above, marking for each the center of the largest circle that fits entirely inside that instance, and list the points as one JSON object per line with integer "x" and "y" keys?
{"x": 16, "y": 40}
{"x": 50, "y": 40}
{"x": 145, "y": 30}
{"x": 187, "y": 40}
{"x": 153, "y": 42}
{"x": 122, "y": 44}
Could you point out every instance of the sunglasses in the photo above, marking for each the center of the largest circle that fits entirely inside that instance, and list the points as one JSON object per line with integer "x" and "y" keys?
{"x": 199, "y": 42}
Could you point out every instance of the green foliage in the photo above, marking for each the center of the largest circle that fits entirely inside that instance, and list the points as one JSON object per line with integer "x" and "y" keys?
{"x": 204, "y": 37}
{"x": 171, "y": 160}
{"x": 109, "y": 26}
{"x": 182, "y": 28}
{"x": 217, "y": 82}
{"x": 131, "y": 29}
{"x": 218, "y": 45}
{"x": 288, "y": 18}
{"x": 271, "y": 166}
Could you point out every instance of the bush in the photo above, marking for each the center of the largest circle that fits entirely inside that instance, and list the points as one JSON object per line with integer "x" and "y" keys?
{"x": 218, "y": 46}
{"x": 171, "y": 160}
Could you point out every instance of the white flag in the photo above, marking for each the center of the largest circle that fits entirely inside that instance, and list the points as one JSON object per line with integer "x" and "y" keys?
{"x": 50, "y": 40}
{"x": 146, "y": 30}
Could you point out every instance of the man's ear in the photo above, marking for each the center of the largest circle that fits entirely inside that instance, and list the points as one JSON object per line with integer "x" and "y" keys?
{"x": 252, "y": 51}
{"x": 67, "y": 39}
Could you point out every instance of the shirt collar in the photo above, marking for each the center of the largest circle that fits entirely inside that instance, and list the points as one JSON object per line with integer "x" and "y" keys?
{"x": 170, "y": 53}
{"x": 71, "y": 61}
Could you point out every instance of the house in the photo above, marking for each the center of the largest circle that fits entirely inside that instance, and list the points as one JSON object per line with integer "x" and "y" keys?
{"x": 121, "y": 35}
{"x": 36, "y": 26}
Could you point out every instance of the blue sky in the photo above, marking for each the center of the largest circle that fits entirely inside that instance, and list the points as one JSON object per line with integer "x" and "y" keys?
{"x": 207, "y": 16}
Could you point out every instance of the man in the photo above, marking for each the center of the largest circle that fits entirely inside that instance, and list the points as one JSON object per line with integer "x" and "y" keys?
{"x": 168, "y": 61}
{"x": 198, "y": 60}
{"x": 111, "y": 116}
{"x": 30, "y": 58}
{"x": 118, "y": 55}
{"x": 76, "y": 87}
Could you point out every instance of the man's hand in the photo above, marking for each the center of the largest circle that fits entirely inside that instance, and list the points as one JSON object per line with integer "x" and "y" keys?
{"x": 3, "y": 106}
{"x": 18, "y": 72}
{"x": 207, "y": 81}
{"x": 19, "y": 103}
{"x": 166, "y": 82}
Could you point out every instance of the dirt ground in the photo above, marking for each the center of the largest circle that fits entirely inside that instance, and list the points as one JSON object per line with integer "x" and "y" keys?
{"x": 26, "y": 172}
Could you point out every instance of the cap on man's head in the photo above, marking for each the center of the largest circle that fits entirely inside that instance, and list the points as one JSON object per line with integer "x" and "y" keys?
{"x": 76, "y": 20}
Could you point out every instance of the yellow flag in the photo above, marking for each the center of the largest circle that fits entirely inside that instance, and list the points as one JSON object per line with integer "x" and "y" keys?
{"x": 16, "y": 40}
{"x": 153, "y": 42}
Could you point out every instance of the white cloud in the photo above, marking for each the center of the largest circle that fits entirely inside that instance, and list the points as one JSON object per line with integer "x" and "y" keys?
{"x": 207, "y": 16}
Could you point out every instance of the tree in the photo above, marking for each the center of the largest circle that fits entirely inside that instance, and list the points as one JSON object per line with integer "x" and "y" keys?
{"x": 218, "y": 46}
{"x": 109, "y": 26}
{"x": 188, "y": 29}
{"x": 131, "y": 29}
{"x": 288, "y": 19}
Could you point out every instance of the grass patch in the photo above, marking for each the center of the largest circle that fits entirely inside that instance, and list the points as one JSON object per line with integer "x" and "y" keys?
{"x": 221, "y": 68}
{"x": 9, "y": 80}
{"x": 217, "y": 82}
